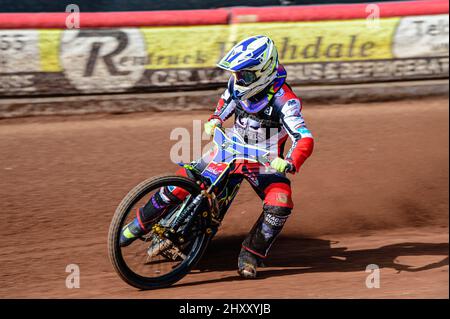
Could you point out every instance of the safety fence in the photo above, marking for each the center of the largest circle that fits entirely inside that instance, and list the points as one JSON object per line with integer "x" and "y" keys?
{"x": 153, "y": 5}
{"x": 42, "y": 54}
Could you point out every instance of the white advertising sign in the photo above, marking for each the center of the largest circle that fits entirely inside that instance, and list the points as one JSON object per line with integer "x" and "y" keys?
{"x": 105, "y": 60}
{"x": 421, "y": 36}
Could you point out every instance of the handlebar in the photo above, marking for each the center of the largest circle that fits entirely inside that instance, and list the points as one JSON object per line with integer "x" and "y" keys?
{"x": 263, "y": 159}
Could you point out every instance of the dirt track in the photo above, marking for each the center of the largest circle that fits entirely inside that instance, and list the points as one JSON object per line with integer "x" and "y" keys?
{"x": 374, "y": 192}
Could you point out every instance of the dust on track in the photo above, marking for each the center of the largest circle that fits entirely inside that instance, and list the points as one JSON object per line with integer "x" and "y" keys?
{"x": 375, "y": 191}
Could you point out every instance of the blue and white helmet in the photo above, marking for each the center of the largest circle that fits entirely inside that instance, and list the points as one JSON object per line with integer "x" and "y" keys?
{"x": 253, "y": 63}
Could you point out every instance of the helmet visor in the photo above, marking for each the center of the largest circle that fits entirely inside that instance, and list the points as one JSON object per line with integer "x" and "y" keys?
{"x": 244, "y": 77}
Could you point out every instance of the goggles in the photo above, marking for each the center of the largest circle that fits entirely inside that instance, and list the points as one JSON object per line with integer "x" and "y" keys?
{"x": 244, "y": 77}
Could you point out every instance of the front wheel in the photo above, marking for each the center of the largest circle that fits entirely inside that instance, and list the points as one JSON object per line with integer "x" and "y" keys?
{"x": 154, "y": 261}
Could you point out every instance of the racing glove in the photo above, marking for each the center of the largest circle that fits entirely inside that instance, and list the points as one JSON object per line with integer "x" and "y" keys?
{"x": 282, "y": 165}
{"x": 211, "y": 125}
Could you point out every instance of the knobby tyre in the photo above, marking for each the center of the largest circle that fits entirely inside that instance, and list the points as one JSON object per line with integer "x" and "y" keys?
{"x": 115, "y": 251}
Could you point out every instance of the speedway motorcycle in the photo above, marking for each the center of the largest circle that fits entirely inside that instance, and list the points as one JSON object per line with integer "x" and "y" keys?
{"x": 179, "y": 238}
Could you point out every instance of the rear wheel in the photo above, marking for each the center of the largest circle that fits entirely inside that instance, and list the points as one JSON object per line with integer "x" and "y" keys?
{"x": 155, "y": 261}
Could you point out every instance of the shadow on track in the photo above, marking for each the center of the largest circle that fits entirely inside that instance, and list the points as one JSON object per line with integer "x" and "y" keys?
{"x": 309, "y": 255}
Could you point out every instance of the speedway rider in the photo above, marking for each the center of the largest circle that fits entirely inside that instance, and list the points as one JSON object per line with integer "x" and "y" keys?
{"x": 267, "y": 112}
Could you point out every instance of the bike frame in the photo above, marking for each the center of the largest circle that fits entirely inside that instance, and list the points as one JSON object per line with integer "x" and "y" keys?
{"x": 228, "y": 151}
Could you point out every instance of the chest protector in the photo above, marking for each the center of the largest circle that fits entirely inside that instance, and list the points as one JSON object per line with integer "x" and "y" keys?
{"x": 263, "y": 105}
{"x": 267, "y": 117}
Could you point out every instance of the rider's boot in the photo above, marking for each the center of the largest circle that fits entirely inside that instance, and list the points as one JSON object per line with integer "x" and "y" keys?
{"x": 131, "y": 232}
{"x": 247, "y": 264}
{"x": 258, "y": 242}
{"x": 146, "y": 216}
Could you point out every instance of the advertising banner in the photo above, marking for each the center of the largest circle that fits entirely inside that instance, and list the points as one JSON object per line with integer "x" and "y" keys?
{"x": 151, "y": 59}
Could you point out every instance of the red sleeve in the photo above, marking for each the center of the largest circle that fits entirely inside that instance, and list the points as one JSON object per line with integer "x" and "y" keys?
{"x": 290, "y": 110}
{"x": 302, "y": 149}
{"x": 224, "y": 109}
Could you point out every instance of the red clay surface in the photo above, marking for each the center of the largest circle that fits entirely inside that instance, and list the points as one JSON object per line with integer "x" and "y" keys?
{"x": 374, "y": 192}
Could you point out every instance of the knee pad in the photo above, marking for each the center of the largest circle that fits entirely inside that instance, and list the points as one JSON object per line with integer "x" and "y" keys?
{"x": 278, "y": 195}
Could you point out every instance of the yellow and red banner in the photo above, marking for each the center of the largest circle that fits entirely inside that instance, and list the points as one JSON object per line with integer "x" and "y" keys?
{"x": 146, "y": 59}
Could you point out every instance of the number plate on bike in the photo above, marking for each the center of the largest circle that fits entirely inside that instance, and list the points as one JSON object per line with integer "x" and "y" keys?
{"x": 214, "y": 170}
